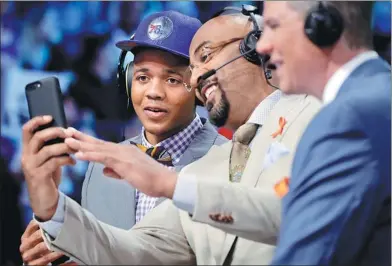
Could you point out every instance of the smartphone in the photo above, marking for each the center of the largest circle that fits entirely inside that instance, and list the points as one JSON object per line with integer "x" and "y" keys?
{"x": 44, "y": 97}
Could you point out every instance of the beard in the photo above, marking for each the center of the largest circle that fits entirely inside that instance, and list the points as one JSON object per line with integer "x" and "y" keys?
{"x": 219, "y": 114}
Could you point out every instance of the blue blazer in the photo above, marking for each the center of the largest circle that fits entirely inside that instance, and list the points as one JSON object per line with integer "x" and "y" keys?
{"x": 338, "y": 209}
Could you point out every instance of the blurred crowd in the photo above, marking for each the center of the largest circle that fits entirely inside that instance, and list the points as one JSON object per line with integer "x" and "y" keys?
{"x": 75, "y": 41}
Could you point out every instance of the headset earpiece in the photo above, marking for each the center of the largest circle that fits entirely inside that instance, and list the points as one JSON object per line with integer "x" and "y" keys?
{"x": 324, "y": 25}
{"x": 128, "y": 78}
{"x": 121, "y": 72}
{"x": 250, "y": 40}
{"x": 248, "y": 44}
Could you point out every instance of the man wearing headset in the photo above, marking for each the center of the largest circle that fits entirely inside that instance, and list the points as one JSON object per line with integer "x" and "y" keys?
{"x": 166, "y": 109}
{"x": 338, "y": 208}
{"x": 232, "y": 81}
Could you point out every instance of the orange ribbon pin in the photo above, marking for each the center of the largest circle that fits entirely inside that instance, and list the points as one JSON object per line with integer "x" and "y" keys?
{"x": 282, "y": 187}
{"x": 282, "y": 123}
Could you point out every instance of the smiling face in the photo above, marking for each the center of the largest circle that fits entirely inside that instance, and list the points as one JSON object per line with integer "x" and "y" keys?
{"x": 301, "y": 66}
{"x": 235, "y": 90}
{"x": 159, "y": 97}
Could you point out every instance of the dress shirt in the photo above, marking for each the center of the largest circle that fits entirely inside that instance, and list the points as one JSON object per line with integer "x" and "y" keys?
{"x": 175, "y": 145}
{"x": 185, "y": 193}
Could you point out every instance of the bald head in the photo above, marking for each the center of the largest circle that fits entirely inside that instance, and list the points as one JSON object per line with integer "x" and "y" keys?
{"x": 241, "y": 19}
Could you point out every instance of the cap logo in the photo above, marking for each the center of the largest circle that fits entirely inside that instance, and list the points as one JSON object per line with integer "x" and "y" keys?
{"x": 160, "y": 28}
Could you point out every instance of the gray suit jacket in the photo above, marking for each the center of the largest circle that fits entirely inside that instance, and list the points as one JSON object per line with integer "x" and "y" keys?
{"x": 112, "y": 201}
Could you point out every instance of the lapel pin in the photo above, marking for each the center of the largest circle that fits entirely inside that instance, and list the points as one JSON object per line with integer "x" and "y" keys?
{"x": 282, "y": 123}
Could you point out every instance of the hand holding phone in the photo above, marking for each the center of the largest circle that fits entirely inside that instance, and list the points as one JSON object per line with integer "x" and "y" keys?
{"x": 44, "y": 97}
{"x": 41, "y": 162}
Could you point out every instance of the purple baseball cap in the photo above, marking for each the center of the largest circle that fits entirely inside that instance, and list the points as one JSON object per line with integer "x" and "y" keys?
{"x": 170, "y": 31}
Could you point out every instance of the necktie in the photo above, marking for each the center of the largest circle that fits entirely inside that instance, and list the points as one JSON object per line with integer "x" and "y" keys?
{"x": 240, "y": 150}
{"x": 158, "y": 153}
{"x": 145, "y": 203}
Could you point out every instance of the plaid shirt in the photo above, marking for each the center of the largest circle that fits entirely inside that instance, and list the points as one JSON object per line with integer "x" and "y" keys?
{"x": 176, "y": 145}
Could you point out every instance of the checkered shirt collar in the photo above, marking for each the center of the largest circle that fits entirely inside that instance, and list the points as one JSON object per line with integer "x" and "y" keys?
{"x": 178, "y": 143}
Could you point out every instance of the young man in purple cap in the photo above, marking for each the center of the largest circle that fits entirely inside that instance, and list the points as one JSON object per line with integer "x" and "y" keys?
{"x": 173, "y": 133}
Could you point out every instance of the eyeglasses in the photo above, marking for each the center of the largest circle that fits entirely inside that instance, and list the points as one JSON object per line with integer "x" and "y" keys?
{"x": 206, "y": 53}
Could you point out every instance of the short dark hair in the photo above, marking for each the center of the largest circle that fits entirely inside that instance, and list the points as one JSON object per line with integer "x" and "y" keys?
{"x": 357, "y": 16}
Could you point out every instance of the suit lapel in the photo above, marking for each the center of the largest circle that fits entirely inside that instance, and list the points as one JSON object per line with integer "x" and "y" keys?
{"x": 298, "y": 105}
{"x": 186, "y": 159}
{"x": 132, "y": 190}
{"x": 159, "y": 201}
{"x": 199, "y": 146}
{"x": 218, "y": 157}
{"x": 288, "y": 107}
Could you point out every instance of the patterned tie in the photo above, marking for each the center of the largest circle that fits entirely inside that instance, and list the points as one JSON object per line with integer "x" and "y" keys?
{"x": 158, "y": 153}
{"x": 240, "y": 150}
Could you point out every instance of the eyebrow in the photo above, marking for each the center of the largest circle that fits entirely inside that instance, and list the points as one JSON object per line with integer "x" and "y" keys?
{"x": 144, "y": 70}
{"x": 172, "y": 71}
{"x": 200, "y": 46}
{"x": 167, "y": 70}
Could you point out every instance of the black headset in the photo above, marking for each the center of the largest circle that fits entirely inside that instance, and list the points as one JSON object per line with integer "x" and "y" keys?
{"x": 324, "y": 25}
{"x": 247, "y": 45}
{"x": 250, "y": 40}
{"x": 124, "y": 74}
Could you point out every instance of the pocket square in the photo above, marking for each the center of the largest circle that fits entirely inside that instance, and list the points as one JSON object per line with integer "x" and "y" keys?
{"x": 275, "y": 151}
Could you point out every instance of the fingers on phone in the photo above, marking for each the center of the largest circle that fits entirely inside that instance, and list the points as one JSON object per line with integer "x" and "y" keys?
{"x": 30, "y": 126}
{"x": 55, "y": 162}
{"x": 54, "y": 150}
{"x": 45, "y": 135}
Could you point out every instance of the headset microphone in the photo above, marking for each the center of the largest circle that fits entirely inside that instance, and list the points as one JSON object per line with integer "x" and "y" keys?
{"x": 247, "y": 46}
{"x": 263, "y": 59}
{"x": 267, "y": 69}
{"x": 213, "y": 71}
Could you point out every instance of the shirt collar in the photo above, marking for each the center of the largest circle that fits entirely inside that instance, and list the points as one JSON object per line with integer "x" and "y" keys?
{"x": 177, "y": 144}
{"x": 334, "y": 84}
{"x": 261, "y": 112}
